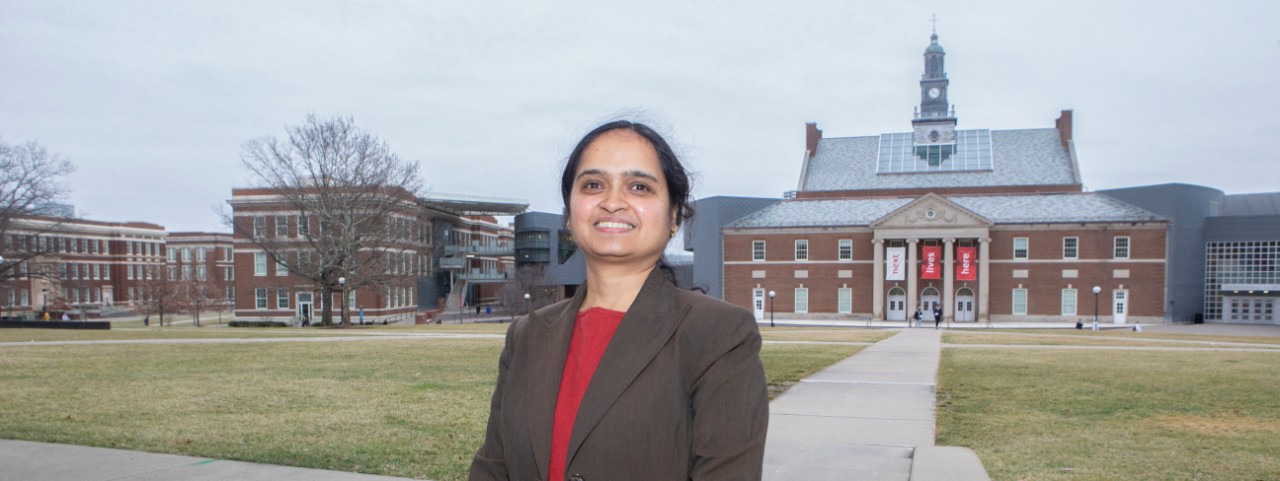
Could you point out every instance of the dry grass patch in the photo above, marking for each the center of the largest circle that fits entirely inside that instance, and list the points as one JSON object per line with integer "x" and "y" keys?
{"x": 1129, "y": 334}
{"x": 1113, "y": 415}
{"x": 38, "y": 335}
{"x": 410, "y": 408}
{"x": 1042, "y": 339}
{"x": 824, "y": 334}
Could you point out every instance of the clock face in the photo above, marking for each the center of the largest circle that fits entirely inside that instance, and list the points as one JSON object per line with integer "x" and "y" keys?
{"x": 934, "y": 93}
{"x": 933, "y": 135}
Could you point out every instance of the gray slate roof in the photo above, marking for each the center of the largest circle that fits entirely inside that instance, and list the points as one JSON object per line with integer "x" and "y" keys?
{"x": 1019, "y": 157}
{"x": 1001, "y": 209}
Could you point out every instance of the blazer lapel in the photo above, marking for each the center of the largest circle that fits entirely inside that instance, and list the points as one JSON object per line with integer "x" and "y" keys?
{"x": 549, "y": 334}
{"x": 646, "y": 327}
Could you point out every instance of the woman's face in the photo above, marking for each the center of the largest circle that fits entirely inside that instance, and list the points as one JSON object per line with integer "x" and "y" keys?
{"x": 619, "y": 210}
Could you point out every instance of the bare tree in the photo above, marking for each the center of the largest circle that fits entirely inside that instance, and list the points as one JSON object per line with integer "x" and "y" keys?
{"x": 531, "y": 280}
{"x": 30, "y": 177}
{"x": 353, "y": 202}
{"x": 199, "y": 295}
{"x": 160, "y": 292}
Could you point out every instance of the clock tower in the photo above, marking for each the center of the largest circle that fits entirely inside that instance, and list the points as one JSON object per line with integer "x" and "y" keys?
{"x": 934, "y": 121}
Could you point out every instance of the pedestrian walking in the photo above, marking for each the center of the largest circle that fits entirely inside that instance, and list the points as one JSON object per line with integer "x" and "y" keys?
{"x": 146, "y": 320}
{"x": 916, "y": 317}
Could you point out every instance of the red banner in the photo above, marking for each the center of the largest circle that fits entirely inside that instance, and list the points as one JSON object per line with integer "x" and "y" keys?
{"x": 931, "y": 262}
{"x": 966, "y": 264}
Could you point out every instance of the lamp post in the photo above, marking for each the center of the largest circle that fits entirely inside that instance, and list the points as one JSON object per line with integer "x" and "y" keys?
{"x": 6, "y": 297}
{"x": 342, "y": 314}
{"x": 1096, "y": 290}
{"x": 526, "y": 303}
{"x": 771, "y": 295}
{"x": 44, "y": 299}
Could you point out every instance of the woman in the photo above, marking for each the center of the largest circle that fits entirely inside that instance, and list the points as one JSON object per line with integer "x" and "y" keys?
{"x": 632, "y": 378}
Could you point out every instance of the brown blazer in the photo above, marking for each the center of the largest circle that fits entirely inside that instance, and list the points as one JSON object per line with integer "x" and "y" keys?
{"x": 679, "y": 394}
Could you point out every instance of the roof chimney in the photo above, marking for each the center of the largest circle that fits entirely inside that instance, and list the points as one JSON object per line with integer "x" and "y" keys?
{"x": 1063, "y": 124}
{"x": 811, "y": 137}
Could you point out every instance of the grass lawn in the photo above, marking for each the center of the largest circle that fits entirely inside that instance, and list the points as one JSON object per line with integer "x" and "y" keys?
{"x": 411, "y": 408}
{"x": 29, "y": 335}
{"x": 1113, "y": 415}
{"x": 1129, "y": 334}
{"x": 1043, "y": 339}
{"x": 819, "y": 334}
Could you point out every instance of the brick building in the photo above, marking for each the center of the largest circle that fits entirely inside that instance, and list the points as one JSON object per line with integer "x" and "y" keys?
{"x": 441, "y": 251}
{"x": 204, "y": 257}
{"x": 983, "y": 224}
{"x": 62, "y": 264}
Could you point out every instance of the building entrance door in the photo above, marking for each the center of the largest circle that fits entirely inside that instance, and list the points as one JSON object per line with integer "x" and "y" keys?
{"x": 964, "y": 305}
{"x": 897, "y": 305}
{"x": 304, "y": 306}
{"x": 757, "y": 301}
{"x": 1251, "y": 310}
{"x": 1120, "y": 306}
{"x": 929, "y": 300}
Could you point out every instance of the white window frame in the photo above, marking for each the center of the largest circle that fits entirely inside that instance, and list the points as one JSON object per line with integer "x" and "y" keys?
{"x": 1019, "y": 292}
{"x": 1072, "y": 251}
{"x": 845, "y": 300}
{"x": 802, "y": 300}
{"x": 200, "y": 254}
{"x": 282, "y": 298}
{"x": 282, "y": 268}
{"x": 763, "y": 253}
{"x": 1070, "y": 302}
{"x": 802, "y": 247}
{"x": 1117, "y": 250}
{"x": 259, "y": 263}
{"x": 259, "y": 226}
{"x": 844, "y": 249}
{"x": 282, "y": 230}
{"x": 1026, "y": 248}
{"x": 260, "y": 298}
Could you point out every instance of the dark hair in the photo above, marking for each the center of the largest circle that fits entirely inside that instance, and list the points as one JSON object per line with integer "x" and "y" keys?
{"x": 678, "y": 184}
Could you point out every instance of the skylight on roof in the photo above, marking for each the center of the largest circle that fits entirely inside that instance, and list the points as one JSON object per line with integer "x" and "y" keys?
{"x": 898, "y": 154}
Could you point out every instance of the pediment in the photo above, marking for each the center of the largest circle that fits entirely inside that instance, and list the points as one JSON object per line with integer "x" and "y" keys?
{"x": 931, "y": 211}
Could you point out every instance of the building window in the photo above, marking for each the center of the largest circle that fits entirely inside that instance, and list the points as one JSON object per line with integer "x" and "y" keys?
{"x": 1122, "y": 247}
{"x": 846, "y": 250}
{"x": 1020, "y": 247}
{"x": 186, "y": 254}
{"x": 172, "y": 253}
{"x": 173, "y": 273}
{"x": 304, "y": 226}
{"x": 200, "y": 254}
{"x": 802, "y": 249}
{"x": 1068, "y": 302}
{"x": 802, "y": 299}
{"x": 846, "y": 300}
{"x": 282, "y": 298}
{"x": 282, "y": 226}
{"x": 1070, "y": 247}
{"x": 757, "y": 250}
{"x": 1019, "y": 301}
{"x": 259, "y": 227}
{"x": 201, "y": 273}
{"x": 259, "y": 263}
{"x": 260, "y": 298}
{"x": 282, "y": 268}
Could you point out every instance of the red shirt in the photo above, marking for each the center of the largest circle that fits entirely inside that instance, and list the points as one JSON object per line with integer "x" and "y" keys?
{"x": 591, "y": 334}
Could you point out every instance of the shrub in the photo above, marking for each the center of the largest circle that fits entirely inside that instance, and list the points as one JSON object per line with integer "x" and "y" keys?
{"x": 257, "y": 324}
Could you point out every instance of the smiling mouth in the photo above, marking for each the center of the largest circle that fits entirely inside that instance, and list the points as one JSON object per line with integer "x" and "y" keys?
{"x": 614, "y": 225}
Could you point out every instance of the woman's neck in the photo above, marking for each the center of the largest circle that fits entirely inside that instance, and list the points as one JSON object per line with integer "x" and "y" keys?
{"x": 614, "y": 287}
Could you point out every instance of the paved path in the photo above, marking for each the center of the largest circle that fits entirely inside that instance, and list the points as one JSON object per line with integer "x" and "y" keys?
{"x": 27, "y": 461}
{"x": 868, "y": 417}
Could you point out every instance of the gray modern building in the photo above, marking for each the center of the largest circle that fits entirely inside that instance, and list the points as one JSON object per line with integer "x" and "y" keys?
{"x": 1223, "y": 252}
{"x": 704, "y": 238}
{"x": 546, "y": 256}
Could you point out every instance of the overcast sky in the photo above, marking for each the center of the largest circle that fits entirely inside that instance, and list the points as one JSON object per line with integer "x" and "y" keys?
{"x": 152, "y": 100}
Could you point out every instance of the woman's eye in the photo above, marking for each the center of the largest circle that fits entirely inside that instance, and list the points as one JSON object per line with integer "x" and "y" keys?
{"x": 640, "y": 187}
{"x": 591, "y": 185}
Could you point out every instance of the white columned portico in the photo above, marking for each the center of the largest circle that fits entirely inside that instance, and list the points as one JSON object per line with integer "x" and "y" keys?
{"x": 912, "y": 296}
{"x": 948, "y": 273}
{"x": 877, "y": 283}
{"x": 984, "y": 279}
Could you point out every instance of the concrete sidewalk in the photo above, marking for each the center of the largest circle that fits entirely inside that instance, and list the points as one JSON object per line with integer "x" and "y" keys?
{"x": 868, "y": 417}
{"x": 28, "y": 461}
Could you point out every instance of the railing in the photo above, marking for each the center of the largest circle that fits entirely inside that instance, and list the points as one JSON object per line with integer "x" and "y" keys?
{"x": 480, "y": 250}
{"x": 477, "y": 275}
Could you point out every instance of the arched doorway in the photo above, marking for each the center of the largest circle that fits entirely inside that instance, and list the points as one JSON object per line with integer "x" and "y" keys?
{"x": 897, "y": 305}
{"x": 964, "y": 305}
{"x": 929, "y": 300}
